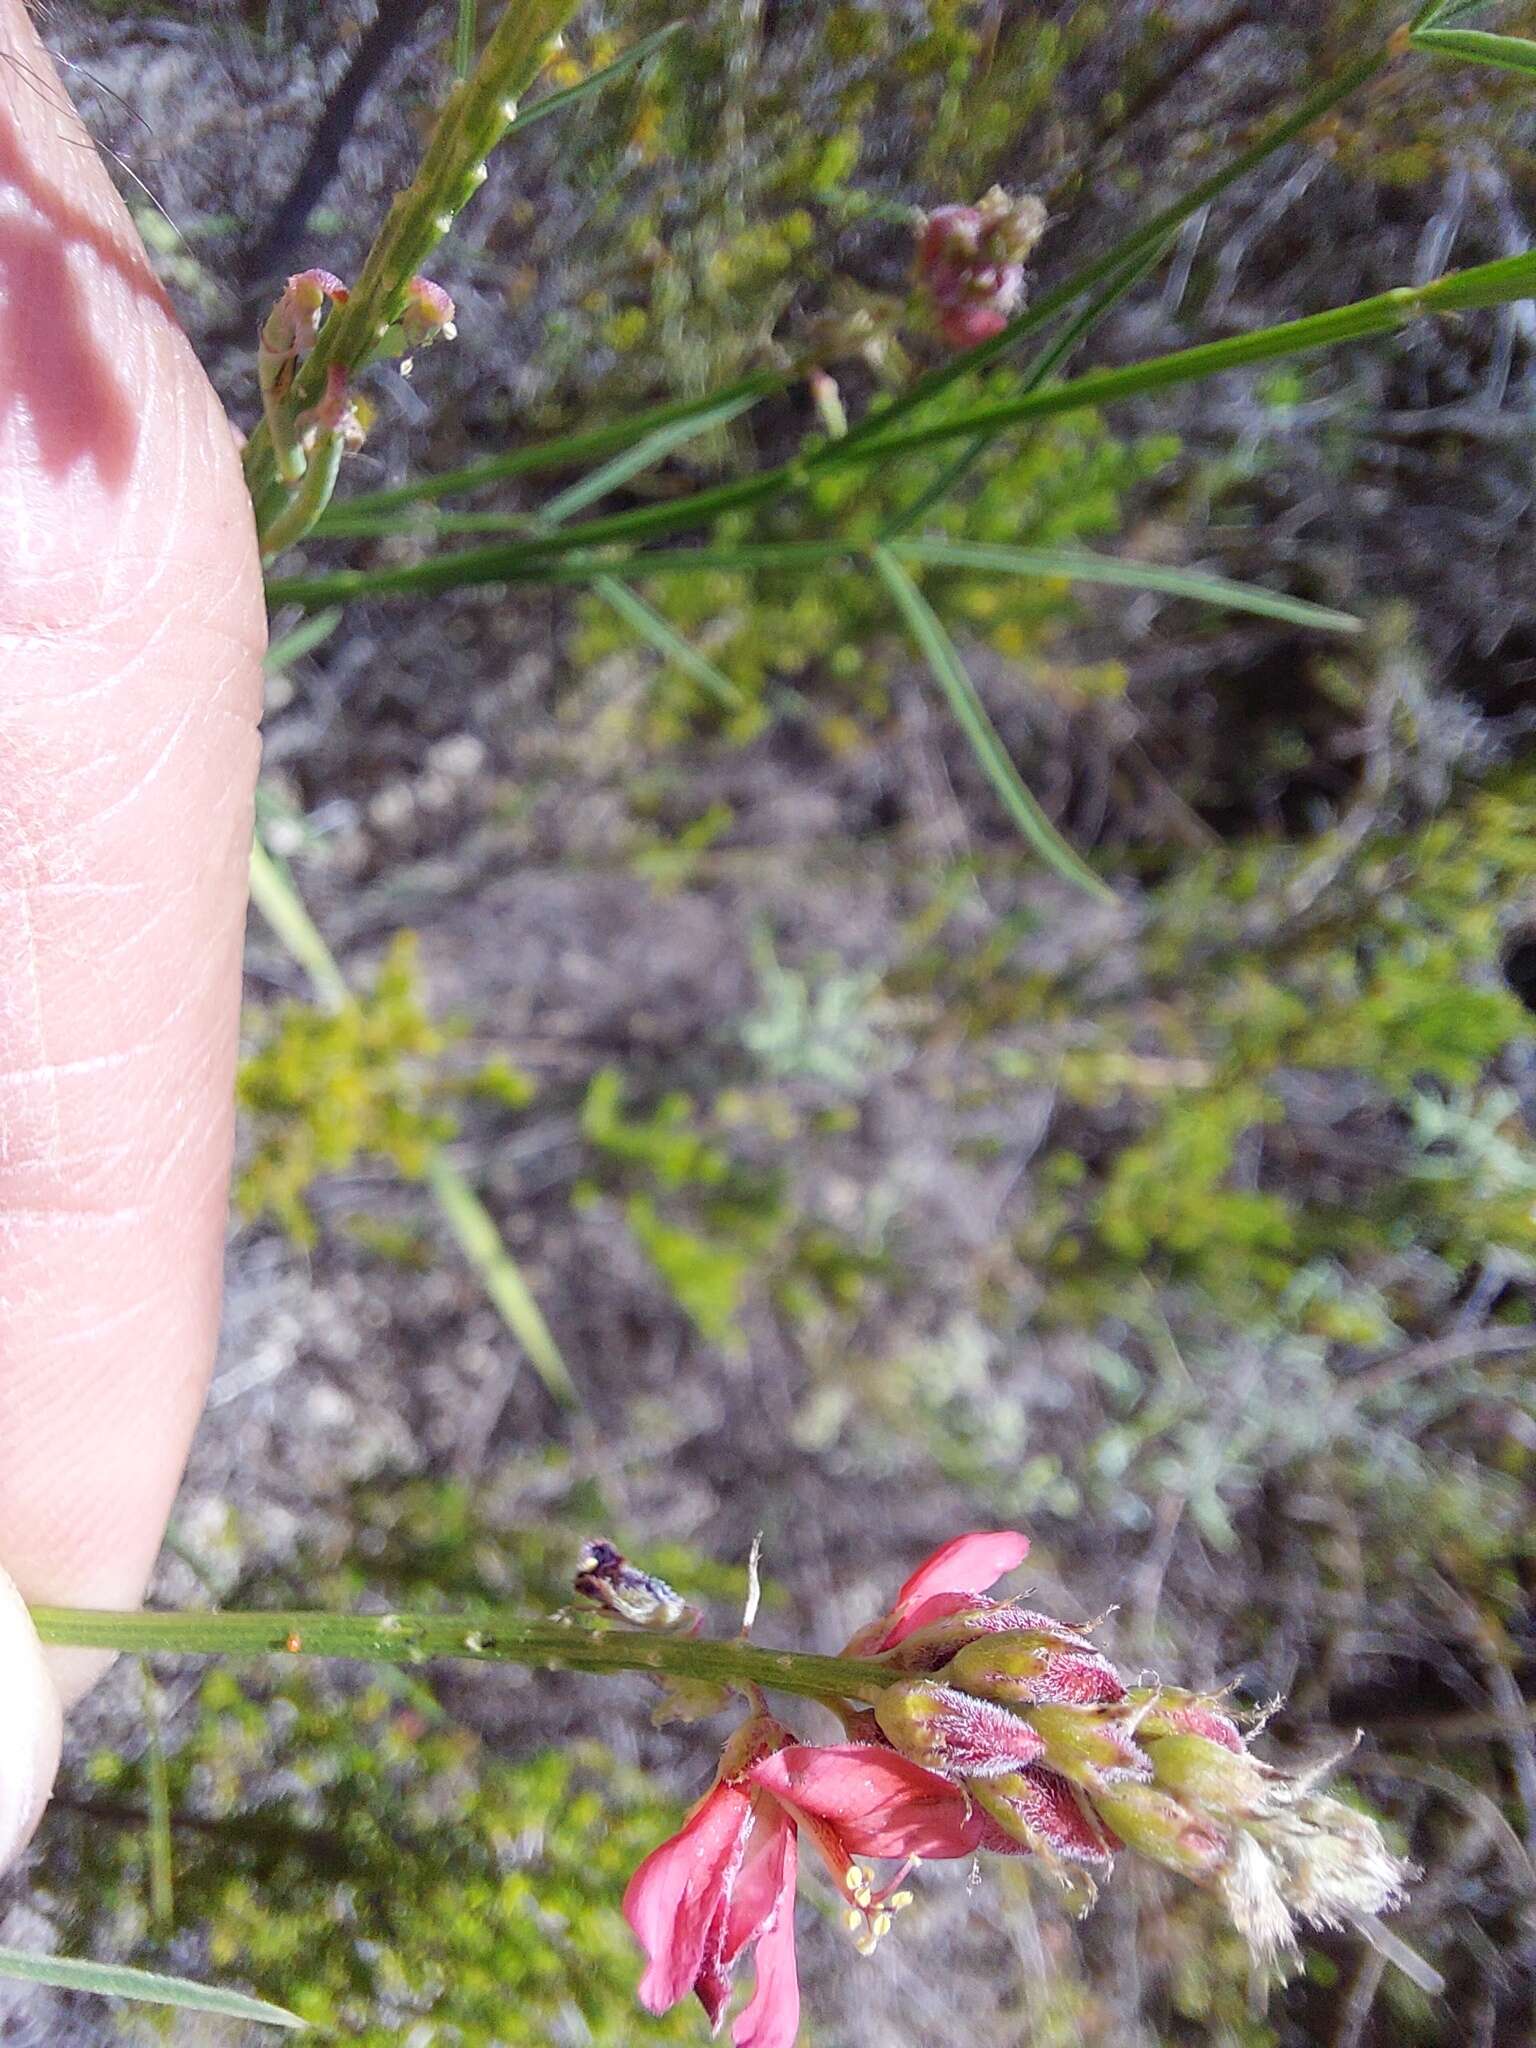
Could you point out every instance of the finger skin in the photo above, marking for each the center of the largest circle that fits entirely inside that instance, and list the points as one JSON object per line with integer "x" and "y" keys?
{"x": 131, "y": 629}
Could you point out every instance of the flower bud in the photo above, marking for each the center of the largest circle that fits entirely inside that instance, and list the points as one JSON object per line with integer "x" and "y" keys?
{"x": 1044, "y": 1665}
{"x": 970, "y": 263}
{"x": 1037, "y": 1810}
{"x": 1210, "y": 1776}
{"x": 950, "y": 1731}
{"x": 1093, "y": 1746}
{"x": 1165, "y": 1710}
{"x": 1155, "y": 1824}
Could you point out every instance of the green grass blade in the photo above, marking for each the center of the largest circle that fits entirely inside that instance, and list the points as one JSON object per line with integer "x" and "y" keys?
{"x": 514, "y": 565}
{"x": 280, "y": 903}
{"x": 481, "y": 1243}
{"x": 304, "y": 639}
{"x": 273, "y": 893}
{"x": 949, "y": 672}
{"x": 652, "y": 627}
{"x": 649, "y": 450}
{"x": 1088, "y": 568}
{"x": 1131, "y": 247}
{"x": 1487, "y": 284}
{"x": 557, "y": 102}
{"x": 568, "y": 451}
{"x": 162, "y": 1888}
{"x": 114, "y": 1980}
{"x": 1477, "y": 46}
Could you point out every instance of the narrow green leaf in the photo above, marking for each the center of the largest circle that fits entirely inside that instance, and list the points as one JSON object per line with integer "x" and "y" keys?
{"x": 162, "y": 1892}
{"x": 1088, "y": 568}
{"x": 1133, "y": 245}
{"x": 1487, "y": 284}
{"x": 273, "y": 893}
{"x": 1478, "y": 46}
{"x": 304, "y": 639}
{"x": 949, "y": 672}
{"x": 568, "y": 451}
{"x": 557, "y": 102}
{"x": 280, "y": 903}
{"x": 1444, "y": 10}
{"x": 114, "y": 1980}
{"x": 515, "y": 564}
{"x": 480, "y": 1241}
{"x": 651, "y": 626}
{"x": 652, "y": 448}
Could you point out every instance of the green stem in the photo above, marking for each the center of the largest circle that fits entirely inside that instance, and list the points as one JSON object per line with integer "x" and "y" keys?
{"x": 478, "y": 113}
{"x": 489, "y": 1638}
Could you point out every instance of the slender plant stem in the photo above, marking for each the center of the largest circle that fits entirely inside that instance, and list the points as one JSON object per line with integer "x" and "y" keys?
{"x": 477, "y": 115}
{"x": 489, "y": 1638}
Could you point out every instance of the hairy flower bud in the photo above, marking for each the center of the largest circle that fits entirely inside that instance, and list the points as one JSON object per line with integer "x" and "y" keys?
{"x": 1094, "y": 1746}
{"x": 1155, "y": 1824}
{"x": 1166, "y": 1710}
{"x": 1210, "y": 1776}
{"x": 953, "y": 1732}
{"x": 1047, "y": 1664}
{"x": 1037, "y": 1810}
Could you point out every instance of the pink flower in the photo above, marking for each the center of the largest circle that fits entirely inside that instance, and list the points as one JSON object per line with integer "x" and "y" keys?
{"x": 725, "y": 1882}
{"x": 970, "y": 263}
{"x": 859, "y": 1799}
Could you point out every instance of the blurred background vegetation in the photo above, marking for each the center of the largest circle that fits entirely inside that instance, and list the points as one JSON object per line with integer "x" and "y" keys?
{"x": 871, "y": 1185}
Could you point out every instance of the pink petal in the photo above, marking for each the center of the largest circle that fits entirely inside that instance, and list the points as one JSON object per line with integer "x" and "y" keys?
{"x": 674, "y": 1896}
{"x": 967, "y": 1564}
{"x": 944, "y": 1583}
{"x": 756, "y": 1887}
{"x": 876, "y": 1802}
{"x": 771, "y": 2017}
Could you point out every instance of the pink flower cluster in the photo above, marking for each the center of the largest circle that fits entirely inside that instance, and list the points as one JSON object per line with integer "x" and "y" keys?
{"x": 725, "y": 1884}
{"x": 996, "y": 1728}
{"x": 970, "y": 263}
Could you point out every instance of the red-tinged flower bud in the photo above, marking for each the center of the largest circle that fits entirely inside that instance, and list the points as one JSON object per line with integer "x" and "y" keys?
{"x": 427, "y": 314}
{"x": 953, "y": 1732}
{"x": 1093, "y": 1746}
{"x": 970, "y": 263}
{"x": 335, "y": 412}
{"x": 1039, "y": 1811}
{"x": 1207, "y": 1775}
{"x": 1156, "y": 1824}
{"x": 1048, "y": 1665}
{"x": 1166, "y": 1710}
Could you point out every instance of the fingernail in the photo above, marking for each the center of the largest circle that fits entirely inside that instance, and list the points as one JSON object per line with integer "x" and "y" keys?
{"x": 30, "y": 1725}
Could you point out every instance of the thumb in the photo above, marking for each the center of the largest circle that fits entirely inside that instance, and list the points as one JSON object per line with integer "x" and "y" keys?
{"x": 29, "y": 1725}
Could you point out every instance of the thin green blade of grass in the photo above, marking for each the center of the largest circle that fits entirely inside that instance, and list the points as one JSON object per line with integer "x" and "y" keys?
{"x": 274, "y": 894}
{"x": 649, "y": 450}
{"x": 1133, "y": 245}
{"x": 1444, "y": 10}
{"x": 1082, "y": 567}
{"x": 1486, "y": 284}
{"x": 653, "y": 628}
{"x": 567, "y": 451}
{"x": 498, "y": 565}
{"x": 567, "y": 96}
{"x": 162, "y": 1887}
{"x": 1478, "y": 46}
{"x": 481, "y": 1242}
{"x": 146, "y": 1987}
{"x": 950, "y": 673}
{"x": 304, "y": 639}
